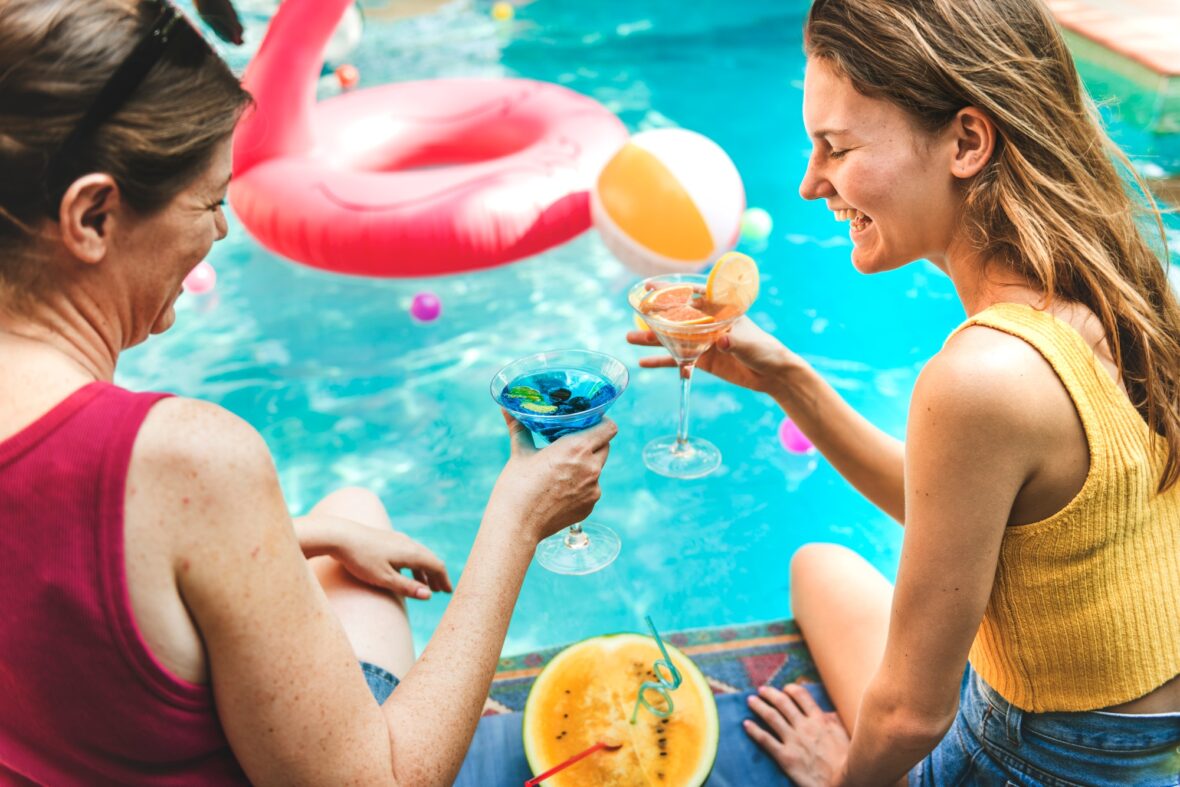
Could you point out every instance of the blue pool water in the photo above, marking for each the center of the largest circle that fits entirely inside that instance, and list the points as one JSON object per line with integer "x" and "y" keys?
{"x": 347, "y": 388}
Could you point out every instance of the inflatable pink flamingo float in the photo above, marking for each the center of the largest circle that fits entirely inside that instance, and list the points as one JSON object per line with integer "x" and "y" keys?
{"x": 409, "y": 179}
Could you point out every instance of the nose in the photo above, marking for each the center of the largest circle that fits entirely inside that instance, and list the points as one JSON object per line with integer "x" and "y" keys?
{"x": 221, "y": 225}
{"x": 815, "y": 184}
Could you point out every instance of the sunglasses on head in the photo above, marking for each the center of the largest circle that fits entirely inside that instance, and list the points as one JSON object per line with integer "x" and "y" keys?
{"x": 170, "y": 33}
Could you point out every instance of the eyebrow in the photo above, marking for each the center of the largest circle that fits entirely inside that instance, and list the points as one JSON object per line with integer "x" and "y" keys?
{"x": 829, "y": 132}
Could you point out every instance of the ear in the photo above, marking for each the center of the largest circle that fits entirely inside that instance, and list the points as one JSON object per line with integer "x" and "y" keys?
{"x": 975, "y": 137}
{"x": 87, "y": 216}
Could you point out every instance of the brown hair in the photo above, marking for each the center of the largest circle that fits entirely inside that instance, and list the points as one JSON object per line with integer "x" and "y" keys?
{"x": 55, "y": 57}
{"x": 1051, "y": 204}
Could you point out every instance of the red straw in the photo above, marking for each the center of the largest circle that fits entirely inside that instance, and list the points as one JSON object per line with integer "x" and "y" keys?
{"x": 533, "y": 782}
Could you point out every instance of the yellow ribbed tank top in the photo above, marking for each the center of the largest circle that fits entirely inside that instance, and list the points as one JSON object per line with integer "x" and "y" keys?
{"x": 1085, "y": 609}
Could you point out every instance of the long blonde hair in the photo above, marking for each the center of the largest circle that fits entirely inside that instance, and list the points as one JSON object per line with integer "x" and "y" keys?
{"x": 1051, "y": 204}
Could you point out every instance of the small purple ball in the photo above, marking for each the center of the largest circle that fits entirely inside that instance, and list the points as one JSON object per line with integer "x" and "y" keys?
{"x": 426, "y": 307}
{"x": 792, "y": 439}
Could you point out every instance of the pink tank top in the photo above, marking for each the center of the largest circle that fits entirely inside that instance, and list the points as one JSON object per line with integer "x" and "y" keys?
{"x": 82, "y": 699}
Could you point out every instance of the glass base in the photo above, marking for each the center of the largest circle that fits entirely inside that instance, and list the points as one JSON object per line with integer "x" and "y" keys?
{"x": 569, "y": 552}
{"x": 694, "y": 458}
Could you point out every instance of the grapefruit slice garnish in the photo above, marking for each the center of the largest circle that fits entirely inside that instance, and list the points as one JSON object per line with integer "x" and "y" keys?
{"x": 663, "y": 298}
{"x": 733, "y": 282}
{"x": 683, "y": 315}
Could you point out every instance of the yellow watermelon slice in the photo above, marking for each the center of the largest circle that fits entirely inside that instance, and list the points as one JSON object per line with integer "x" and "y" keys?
{"x": 587, "y": 693}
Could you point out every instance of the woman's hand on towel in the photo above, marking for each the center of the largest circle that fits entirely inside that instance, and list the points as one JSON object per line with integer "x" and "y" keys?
{"x": 809, "y": 744}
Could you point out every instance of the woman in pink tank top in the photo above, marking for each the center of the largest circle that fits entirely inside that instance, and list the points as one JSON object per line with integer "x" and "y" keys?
{"x": 159, "y": 623}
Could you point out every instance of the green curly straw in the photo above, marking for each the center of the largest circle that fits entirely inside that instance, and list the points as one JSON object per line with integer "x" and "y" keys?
{"x": 663, "y": 685}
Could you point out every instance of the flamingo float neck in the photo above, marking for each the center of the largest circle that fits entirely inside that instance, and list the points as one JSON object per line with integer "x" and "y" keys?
{"x": 282, "y": 78}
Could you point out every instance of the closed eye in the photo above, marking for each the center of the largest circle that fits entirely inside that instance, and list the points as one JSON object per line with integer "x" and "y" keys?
{"x": 838, "y": 154}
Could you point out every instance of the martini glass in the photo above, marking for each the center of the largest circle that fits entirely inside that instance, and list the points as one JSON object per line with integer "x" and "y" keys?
{"x": 681, "y": 456}
{"x": 556, "y": 393}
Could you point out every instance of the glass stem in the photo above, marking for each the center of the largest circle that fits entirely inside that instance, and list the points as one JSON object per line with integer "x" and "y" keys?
{"x": 685, "y": 384}
{"x": 575, "y": 538}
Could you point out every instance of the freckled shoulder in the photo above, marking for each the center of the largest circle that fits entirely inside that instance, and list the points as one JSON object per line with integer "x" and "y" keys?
{"x": 191, "y": 456}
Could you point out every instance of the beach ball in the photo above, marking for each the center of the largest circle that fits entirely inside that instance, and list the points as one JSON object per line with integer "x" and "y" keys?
{"x": 669, "y": 201}
{"x": 201, "y": 279}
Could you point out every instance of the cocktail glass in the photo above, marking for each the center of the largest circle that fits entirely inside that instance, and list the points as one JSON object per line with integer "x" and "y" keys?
{"x": 680, "y": 456}
{"x": 557, "y": 380}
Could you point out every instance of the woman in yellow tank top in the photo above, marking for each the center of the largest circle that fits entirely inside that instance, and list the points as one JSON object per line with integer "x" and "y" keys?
{"x": 1038, "y": 480}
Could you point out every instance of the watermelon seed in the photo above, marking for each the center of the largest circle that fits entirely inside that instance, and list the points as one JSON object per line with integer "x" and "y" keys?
{"x": 663, "y": 754}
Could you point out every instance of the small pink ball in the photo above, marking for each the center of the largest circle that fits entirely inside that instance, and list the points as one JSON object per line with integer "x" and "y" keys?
{"x": 201, "y": 279}
{"x": 792, "y": 439}
{"x": 426, "y": 307}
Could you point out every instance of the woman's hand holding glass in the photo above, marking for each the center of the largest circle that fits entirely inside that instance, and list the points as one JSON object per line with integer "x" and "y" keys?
{"x": 545, "y": 491}
{"x": 746, "y": 356}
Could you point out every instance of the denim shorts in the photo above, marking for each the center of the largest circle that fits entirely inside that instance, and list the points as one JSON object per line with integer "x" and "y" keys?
{"x": 381, "y": 681}
{"x": 992, "y": 742}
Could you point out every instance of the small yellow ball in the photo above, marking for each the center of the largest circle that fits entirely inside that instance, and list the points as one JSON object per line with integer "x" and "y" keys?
{"x": 503, "y": 11}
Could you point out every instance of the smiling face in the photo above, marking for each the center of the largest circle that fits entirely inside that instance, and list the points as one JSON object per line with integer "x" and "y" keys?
{"x": 159, "y": 251}
{"x": 878, "y": 170}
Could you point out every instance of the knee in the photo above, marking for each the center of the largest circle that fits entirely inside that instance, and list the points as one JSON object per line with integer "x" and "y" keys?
{"x": 355, "y": 503}
{"x": 812, "y": 565}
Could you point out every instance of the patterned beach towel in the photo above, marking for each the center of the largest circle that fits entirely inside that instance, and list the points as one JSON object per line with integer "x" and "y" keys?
{"x": 735, "y": 660}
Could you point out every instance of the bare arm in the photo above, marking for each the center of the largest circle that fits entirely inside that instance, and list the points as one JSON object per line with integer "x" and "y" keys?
{"x": 972, "y": 444}
{"x": 433, "y": 715}
{"x": 871, "y": 460}
{"x": 290, "y": 695}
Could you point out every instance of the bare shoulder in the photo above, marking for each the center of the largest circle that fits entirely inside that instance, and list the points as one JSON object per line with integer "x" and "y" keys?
{"x": 985, "y": 371}
{"x": 193, "y": 459}
{"x": 997, "y": 389}
{"x": 190, "y": 431}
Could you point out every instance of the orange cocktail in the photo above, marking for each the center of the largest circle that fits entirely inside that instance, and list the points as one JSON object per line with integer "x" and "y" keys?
{"x": 688, "y": 313}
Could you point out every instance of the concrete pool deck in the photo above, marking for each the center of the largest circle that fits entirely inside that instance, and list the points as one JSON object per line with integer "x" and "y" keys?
{"x": 1136, "y": 43}
{"x": 1145, "y": 31}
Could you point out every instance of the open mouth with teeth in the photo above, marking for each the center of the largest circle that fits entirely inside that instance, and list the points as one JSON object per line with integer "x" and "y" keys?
{"x": 860, "y": 221}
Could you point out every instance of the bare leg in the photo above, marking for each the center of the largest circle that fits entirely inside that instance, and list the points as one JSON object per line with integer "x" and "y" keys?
{"x": 375, "y": 620}
{"x": 841, "y": 604}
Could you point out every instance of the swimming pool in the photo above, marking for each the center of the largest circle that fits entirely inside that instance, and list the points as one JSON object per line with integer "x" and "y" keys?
{"x": 347, "y": 389}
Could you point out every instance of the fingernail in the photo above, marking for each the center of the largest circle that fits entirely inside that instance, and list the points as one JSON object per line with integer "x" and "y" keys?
{"x": 422, "y": 593}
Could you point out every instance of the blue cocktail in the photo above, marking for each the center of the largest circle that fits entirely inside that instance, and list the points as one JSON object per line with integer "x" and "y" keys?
{"x": 553, "y": 394}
